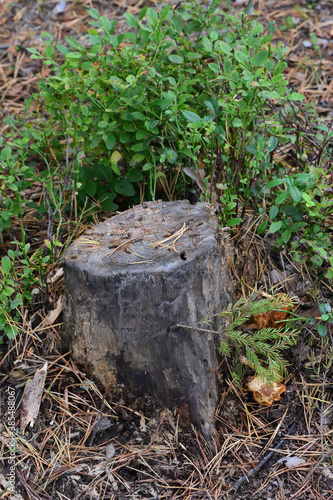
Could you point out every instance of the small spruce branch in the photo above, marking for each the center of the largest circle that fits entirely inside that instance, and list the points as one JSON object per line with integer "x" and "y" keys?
{"x": 262, "y": 348}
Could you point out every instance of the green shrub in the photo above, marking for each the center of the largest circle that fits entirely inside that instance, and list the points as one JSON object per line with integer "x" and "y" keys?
{"x": 181, "y": 85}
{"x": 302, "y": 209}
{"x": 22, "y": 271}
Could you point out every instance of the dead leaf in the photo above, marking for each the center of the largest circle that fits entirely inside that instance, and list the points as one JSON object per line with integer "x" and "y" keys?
{"x": 291, "y": 461}
{"x": 264, "y": 393}
{"x": 53, "y": 315}
{"x": 143, "y": 426}
{"x": 167, "y": 413}
{"x": 103, "y": 424}
{"x": 110, "y": 451}
{"x": 32, "y": 397}
{"x": 18, "y": 16}
{"x": 19, "y": 371}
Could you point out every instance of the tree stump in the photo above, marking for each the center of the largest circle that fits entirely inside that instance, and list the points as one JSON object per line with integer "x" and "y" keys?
{"x": 129, "y": 282}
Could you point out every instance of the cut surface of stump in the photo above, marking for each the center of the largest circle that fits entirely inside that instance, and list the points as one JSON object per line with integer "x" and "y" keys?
{"x": 129, "y": 282}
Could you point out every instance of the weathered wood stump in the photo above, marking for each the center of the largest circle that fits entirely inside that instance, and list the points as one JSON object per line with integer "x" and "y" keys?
{"x": 128, "y": 282}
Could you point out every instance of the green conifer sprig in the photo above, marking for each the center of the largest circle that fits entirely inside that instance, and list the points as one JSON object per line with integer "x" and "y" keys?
{"x": 261, "y": 348}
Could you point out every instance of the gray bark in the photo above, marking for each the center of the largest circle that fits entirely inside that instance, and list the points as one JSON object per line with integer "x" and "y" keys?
{"x": 125, "y": 296}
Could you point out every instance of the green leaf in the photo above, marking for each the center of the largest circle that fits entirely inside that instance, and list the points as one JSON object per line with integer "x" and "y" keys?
{"x": 134, "y": 175}
{"x": 275, "y": 226}
{"x": 142, "y": 13}
{"x": 6, "y": 265}
{"x": 329, "y": 274}
{"x": 176, "y": 21}
{"x": 36, "y": 135}
{"x": 248, "y": 8}
{"x": 93, "y": 13}
{"x": 260, "y": 58}
{"x": 317, "y": 260}
{"x": 147, "y": 166}
{"x": 214, "y": 36}
{"x": 171, "y": 155}
{"x": 234, "y": 222}
{"x": 208, "y": 46}
{"x": 5, "y": 153}
{"x": 151, "y": 124}
{"x": 152, "y": 16}
{"x": 295, "y": 96}
{"x": 214, "y": 67}
{"x": 325, "y": 308}
{"x": 140, "y": 134}
{"x": 62, "y": 49}
{"x": 137, "y": 158}
{"x": 223, "y": 47}
{"x": 124, "y": 187}
{"x": 274, "y": 182}
{"x": 270, "y": 94}
{"x": 124, "y": 137}
{"x": 114, "y": 41}
{"x": 102, "y": 124}
{"x": 95, "y": 40}
{"x": 191, "y": 117}
{"x": 295, "y": 193}
{"x": 262, "y": 227}
{"x": 115, "y": 158}
{"x": 5, "y": 214}
{"x": 165, "y": 12}
{"x": 273, "y": 212}
{"x": 294, "y": 212}
{"x": 72, "y": 42}
{"x": 84, "y": 110}
{"x": 130, "y": 79}
{"x": 281, "y": 65}
{"x": 73, "y": 55}
{"x": 273, "y": 142}
{"x": 176, "y": 59}
{"x": 131, "y": 20}
{"x": 241, "y": 56}
{"x": 138, "y": 115}
{"x": 15, "y": 303}
{"x": 237, "y": 122}
{"x": 321, "y": 250}
{"x": 107, "y": 202}
{"x": 109, "y": 140}
{"x": 322, "y": 330}
{"x": 192, "y": 56}
{"x": 286, "y": 235}
{"x": 91, "y": 188}
{"x": 49, "y": 51}
{"x": 138, "y": 147}
{"x": 11, "y": 331}
{"x": 106, "y": 24}
{"x": 282, "y": 197}
{"x": 47, "y": 38}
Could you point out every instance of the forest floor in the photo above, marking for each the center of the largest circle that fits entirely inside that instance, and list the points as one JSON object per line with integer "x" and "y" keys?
{"x": 86, "y": 444}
